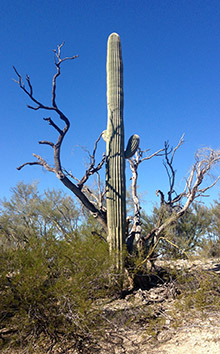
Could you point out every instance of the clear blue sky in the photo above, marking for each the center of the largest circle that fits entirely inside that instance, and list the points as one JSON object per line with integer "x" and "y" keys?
{"x": 171, "y": 54}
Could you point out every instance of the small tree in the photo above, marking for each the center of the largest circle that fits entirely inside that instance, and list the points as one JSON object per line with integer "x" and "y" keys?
{"x": 28, "y": 213}
{"x": 212, "y": 243}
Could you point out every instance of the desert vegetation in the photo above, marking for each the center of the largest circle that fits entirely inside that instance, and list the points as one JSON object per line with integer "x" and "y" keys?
{"x": 77, "y": 270}
{"x": 59, "y": 287}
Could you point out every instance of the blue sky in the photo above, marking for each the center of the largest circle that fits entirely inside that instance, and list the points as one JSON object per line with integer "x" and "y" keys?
{"x": 171, "y": 55}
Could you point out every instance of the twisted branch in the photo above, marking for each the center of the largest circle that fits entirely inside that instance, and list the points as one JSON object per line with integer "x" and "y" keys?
{"x": 100, "y": 214}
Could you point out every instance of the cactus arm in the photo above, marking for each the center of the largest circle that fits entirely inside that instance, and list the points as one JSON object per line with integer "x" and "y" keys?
{"x": 132, "y": 146}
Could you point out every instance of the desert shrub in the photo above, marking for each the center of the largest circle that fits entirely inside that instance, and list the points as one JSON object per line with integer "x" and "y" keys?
{"x": 48, "y": 289}
{"x": 210, "y": 247}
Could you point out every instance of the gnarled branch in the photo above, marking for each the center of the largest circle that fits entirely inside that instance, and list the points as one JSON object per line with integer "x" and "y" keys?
{"x": 99, "y": 213}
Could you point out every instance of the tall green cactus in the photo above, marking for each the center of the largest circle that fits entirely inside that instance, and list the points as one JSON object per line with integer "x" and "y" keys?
{"x": 115, "y": 162}
{"x": 115, "y": 154}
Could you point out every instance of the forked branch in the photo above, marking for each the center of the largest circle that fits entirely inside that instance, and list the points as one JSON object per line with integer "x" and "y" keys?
{"x": 40, "y": 162}
{"x": 92, "y": 169}
{"x": 58, "y": 61}
{"x": 168, "y": 164}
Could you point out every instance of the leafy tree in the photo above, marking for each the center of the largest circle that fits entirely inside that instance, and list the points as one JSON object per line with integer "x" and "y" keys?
{"x": 215, "y": 210}
{"x": 27, "y": 212}
{"x": 59, "y": 214}
{"x": 19, "y": 215}
{"x": 212, "y": 243}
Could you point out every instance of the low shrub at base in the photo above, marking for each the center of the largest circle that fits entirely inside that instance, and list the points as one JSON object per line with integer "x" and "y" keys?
{"x": 48, "y": 289}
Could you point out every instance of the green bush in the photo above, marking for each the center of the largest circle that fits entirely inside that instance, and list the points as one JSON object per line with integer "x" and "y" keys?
{"x": 210, "y": 248}
{"x": 49, "y": 289}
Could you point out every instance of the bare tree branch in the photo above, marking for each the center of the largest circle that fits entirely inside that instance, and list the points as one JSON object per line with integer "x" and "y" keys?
{"x": 100, "y": 214}
{"x": 159, "y": 152}
{"x": 40, "y": 162}
{"x": 181, "y": 141}
{"x": 138, "y": 158}
{"x": 46, "y": 142}
{"x": 92, "y": 169}
{"x": 28, "y": 163}
{"x": 168, "y": 164}
{"x": 58, "y": 63}
{"x": 50, "y": 121}
{"x": 30, "y": 92}
{"x": 92, "y": 196}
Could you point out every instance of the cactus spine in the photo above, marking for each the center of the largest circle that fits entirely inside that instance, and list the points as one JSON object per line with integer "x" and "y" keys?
{"x": 115, "y": 161}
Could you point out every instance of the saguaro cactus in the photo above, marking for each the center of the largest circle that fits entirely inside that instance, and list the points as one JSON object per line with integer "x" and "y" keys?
{"x": 115, "y": 162}
{"x": 115, "y": 154}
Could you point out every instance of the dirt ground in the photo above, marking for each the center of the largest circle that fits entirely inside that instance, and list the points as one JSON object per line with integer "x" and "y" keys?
{"x": 198, "y": 333}
{"x": 198, "y": 339}
{"x": 201, "y": 336}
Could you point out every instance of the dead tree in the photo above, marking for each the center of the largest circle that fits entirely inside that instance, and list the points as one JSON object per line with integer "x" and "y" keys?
{"x": 77, "y": 188}
{"x": 168, "y": 164}
{"x": 177, "y": 205}
{"x": 135, "y": 233}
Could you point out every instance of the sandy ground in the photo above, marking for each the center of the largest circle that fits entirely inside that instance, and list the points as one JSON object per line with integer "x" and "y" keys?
{"x": 201, "y": 339}
{"x": 197, "y": 335}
